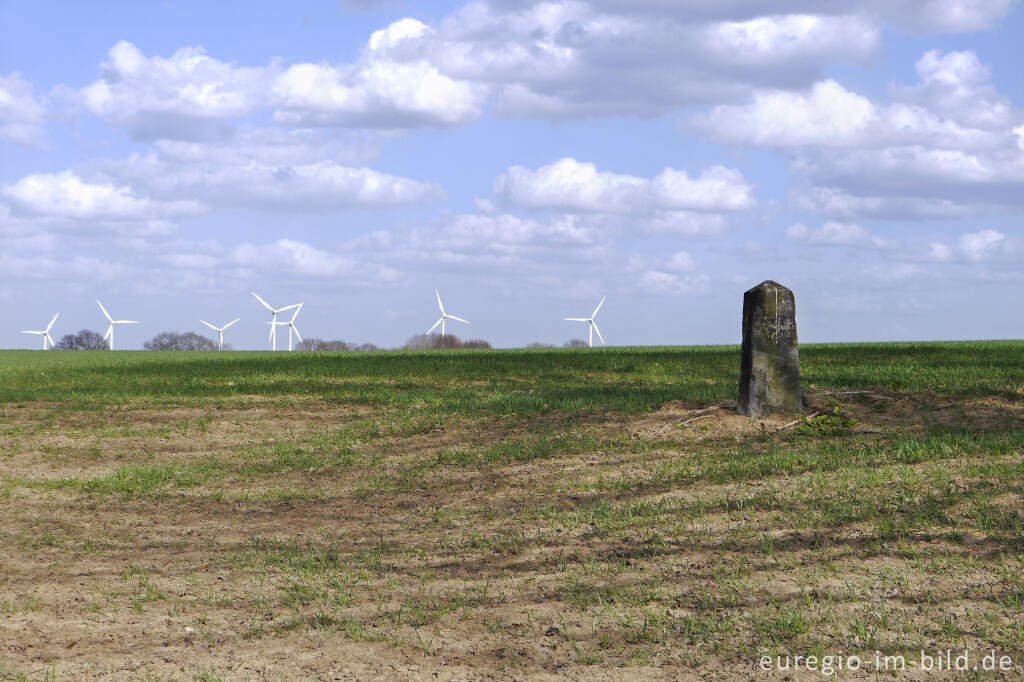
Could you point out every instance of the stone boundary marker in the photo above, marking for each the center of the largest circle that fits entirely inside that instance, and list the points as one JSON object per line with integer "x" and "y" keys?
{"x": 769, "y": 362}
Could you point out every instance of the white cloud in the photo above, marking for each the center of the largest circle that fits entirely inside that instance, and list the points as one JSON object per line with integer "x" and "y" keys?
{"x": 485, "y": 206}
{"x": 573, "y": 185}
{"x": 894, "y": 272}
{"x": 192, "y": 261}
{"x": 377, "y": 91}
{"x": 839, "y": 203}
{"x": 922, "y": 16}
{"x": 188, "y": 95}
{"x": 945, "y": 16}
{"x": 503, "y": 231}
{"x": 957, "y": 86}
{"x": 978, "y": 246}
{"x": 396, "y": 32}
{"x": 953, "y": 106}
{"x": 293, "y": 256}
{"x": 680, "y": 261}
{"x": 939, "y": 251}
{"x": 684, "y": 223}
{"x": 953, "y": 69}
{"x": 271, "y": 146}
{"x": 192, "y": 96}
{"x": 482, "y": 241}
{"x": 60, "y": 269}
{"x": 953, "y": 174}
{"x": 667, "y": 283}
{"x": 556, "y": 59}
{"x": 945, "y": 146}
{"x": 782, "y": 38}
{"x": 836, "y": 234}
{"x": 568, "y": 183}
{"x": 716, "y": 188}
{"x": 316, "y": 186}
{"x": 66, "y": 196}
{"x": 549, "y": 59}
{"x": 827, "y": 115}
{"x": 983, "y": 246}
{"x": 21, "y": 113}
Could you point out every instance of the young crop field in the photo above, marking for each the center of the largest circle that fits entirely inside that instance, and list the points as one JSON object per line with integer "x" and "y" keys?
{"x": 506, "y": 514}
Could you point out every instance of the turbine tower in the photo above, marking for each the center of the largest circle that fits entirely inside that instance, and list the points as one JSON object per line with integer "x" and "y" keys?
{"x": 109, "y": 336}
{"x": 273, "y": 319}
{"x": 444, "y": 316}
{"x": 220, "y": 331}
{"x": 45, "y": 333}
{"x": 291, "y": 326}
{"x": 591, "y": 323}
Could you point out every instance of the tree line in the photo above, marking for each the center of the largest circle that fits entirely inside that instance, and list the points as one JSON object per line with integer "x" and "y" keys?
{"x": 86, "y": 339}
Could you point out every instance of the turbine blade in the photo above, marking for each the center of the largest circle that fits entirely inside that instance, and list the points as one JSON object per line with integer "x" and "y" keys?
{"x": 452, "y": 317}
{"x": 439, "y": 305}
{"x": 296, "y": 330}
{"x": 297, "y": 311}
{"x": 435, "y": 325}
{"x": 265, "y": 304}
{"x": 28, "y": 332}
{"x": 105, "y": 313}
{"x": 209, "y": 325}
{"x": 50, "y": 339}
{"x": 52, "y": 321}
{"x": 598, "y": 332}
{"x": 110, "y": 330}
{"x": 578, "y": 319}
{"x": 229, "y": 324}
{"x": 594, "y": 314}
{"x": 289, "y": 307}
{"x": 124, "y": 321}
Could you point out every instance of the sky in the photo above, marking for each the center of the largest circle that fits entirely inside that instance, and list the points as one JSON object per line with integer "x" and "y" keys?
{"x": 526, "y": 159}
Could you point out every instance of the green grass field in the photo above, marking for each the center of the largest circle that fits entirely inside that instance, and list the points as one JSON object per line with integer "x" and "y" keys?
{"x": 506, "y": 513}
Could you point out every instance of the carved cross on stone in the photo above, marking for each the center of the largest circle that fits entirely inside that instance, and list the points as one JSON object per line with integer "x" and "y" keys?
{"x": 769, "y": 361}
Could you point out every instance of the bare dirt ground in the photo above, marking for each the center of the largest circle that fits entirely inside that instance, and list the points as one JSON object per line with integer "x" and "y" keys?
{"x": 314, "y": 541}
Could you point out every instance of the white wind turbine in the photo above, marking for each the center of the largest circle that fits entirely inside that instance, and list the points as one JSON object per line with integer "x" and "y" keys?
{"x": 110, "y": 330}
{"x": 591, "y": 323}
{"x": 444, "y": 316}
{"x": 273, "y": 320}
{"x": 220, "y": 331}
{"x": 291, "y": 325}
{"x": 45, "y": 332}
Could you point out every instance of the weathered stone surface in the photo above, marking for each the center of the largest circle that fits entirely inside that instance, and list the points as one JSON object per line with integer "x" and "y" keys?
{"x": 770, "y": 363}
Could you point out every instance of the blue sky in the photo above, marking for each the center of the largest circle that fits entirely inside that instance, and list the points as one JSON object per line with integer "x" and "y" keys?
{"x": 526, "y": 159}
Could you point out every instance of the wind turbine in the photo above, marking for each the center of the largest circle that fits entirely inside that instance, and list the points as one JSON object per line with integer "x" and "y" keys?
{"x": 273, "y": 320}
{"x": 291, "y": 325}
{"x": 220, "y": 331}
{"x": 110, "y": 330}
{"x": 591, "y": 323}
{"x": 45, "y": 333}
{"x": 444, "y": 316}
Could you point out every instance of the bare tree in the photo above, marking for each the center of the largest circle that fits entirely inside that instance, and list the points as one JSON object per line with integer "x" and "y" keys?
{"x": 438, "y": 342}
{"x": 335, "y": 345}
{"x": 176, "y": 341}
{"x": 418, "y": 342}
{"x": 85, "y": 339}
{"x": 575, "y": 343}
{"x": 538, "y": 344}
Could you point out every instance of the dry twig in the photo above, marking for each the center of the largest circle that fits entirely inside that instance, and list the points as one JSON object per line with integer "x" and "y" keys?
{"x": 797, "y": 421}
{"x": 699, "y": 414}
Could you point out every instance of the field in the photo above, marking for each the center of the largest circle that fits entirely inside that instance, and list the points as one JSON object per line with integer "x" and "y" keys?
{"x": 561, "y": 514}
